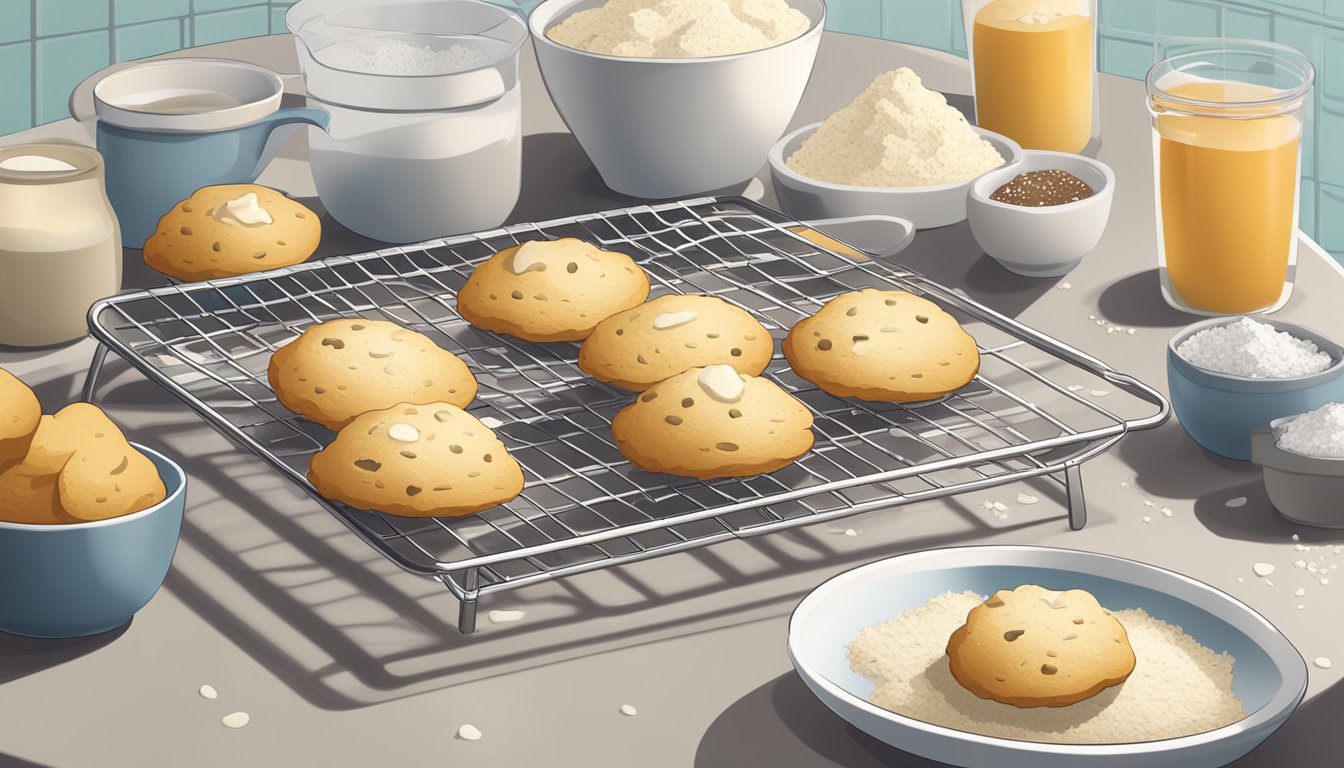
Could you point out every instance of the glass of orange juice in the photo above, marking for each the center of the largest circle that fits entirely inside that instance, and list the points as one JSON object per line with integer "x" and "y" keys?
{"x": 1227, "y": 137}
{"x": 1033, "y": 67}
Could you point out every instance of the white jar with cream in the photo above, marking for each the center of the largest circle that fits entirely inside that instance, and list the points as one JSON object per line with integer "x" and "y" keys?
{"x": 60, "y": 245}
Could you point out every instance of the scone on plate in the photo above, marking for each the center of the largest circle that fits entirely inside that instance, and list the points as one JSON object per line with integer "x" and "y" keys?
{"x": 229, "y": 230}
{"x": 20, "y": 413}
{"x": 882, "y": 345}
{"x": 336, "y": 370}
{"x": 78, "y": 468}
{"x": 551, "y": 290}
{"x": 427, "y": 460}
{"x": 640, "y": 347}
{"x": 1035, "y": 647}
{"x": 713, "y": 422}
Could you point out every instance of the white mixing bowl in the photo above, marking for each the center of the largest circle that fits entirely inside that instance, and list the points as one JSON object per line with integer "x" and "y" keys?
{"x": 662, "y": 128}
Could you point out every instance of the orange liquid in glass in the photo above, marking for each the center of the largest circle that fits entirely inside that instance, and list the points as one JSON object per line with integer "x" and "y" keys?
{"x": 1229, "y": 194}
{"x": 1033, "y": 82}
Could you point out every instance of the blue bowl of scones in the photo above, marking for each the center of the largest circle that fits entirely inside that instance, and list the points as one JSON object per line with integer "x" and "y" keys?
{"x": 89, "y": 522}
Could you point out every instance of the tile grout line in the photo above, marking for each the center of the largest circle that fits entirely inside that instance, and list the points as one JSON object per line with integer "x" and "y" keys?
{"x": 32, "y": 64}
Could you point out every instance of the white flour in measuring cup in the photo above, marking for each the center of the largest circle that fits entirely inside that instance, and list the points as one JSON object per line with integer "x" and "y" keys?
{"x": 425, "y": 137}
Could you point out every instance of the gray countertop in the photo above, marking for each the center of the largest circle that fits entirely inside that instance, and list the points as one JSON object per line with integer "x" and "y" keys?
{"x": 342, "y": 659}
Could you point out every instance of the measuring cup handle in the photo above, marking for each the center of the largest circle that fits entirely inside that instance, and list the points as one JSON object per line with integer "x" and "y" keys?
{"x": 282, "y": 124}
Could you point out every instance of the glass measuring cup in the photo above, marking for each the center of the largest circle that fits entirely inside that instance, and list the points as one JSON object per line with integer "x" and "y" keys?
{"x": 1227, "y": 129}
{"x": 1033, "y": 68}
{"x": 426, "y": 132}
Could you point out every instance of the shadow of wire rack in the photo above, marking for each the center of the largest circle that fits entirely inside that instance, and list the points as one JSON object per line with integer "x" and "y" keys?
{"x": 1033, "y": 410}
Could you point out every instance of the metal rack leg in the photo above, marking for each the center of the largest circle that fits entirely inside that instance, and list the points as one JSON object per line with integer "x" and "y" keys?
{"x": 95, "y": 368}
{"x": 1073, "y": 484}
{"x": 466, "y": 609}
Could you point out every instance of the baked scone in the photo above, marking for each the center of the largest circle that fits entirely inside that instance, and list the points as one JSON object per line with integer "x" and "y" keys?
{"x": 20, "y": 413}
{"x": 232, "y": 229}
{"x": 882, "y": 345}
{"x": 79, "y": 468}
{"x": 713, "y": 422}
{"x": 640, "y": 347}
{"x": 430, "y": 460}
{"x": 551, "y": 290}
{"x": 1034, "y": 647}
{"x": 336, "y": 370}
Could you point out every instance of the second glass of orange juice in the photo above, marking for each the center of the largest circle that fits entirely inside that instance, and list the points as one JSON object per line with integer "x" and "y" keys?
{"x": 1227, "y": 130}
{"x": 1033, "y": 65}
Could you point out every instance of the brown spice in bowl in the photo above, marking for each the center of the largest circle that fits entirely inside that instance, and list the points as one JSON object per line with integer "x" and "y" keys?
{"x": 1037, "y": 189}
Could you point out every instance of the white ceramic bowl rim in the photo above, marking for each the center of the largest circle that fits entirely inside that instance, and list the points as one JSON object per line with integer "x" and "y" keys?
{"x": 534, "y": 25}
{"x": 1136, "y": 749}
{"x": 1002, "y": 172}
{"x": 1336, "y": 352}
{"x": 778, "y": 165}
{"x": 176, "y": 485}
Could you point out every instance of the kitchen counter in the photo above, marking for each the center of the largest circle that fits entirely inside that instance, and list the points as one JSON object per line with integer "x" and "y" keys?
{"x": 342, "y": 659}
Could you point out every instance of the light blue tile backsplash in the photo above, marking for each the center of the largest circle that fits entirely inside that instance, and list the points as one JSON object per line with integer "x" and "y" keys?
{"x": 48, "y": 46}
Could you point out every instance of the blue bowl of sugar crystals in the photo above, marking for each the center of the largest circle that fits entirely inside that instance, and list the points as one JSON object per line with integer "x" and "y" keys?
{"x": 1228, "y": 375}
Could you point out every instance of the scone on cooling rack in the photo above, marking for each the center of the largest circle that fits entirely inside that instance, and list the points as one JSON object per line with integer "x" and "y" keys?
{"x": 882, "y": 345}
{"x": 551, "y": 290}
{"x": 229, "y": 230}
{"x": 336, "y": 370}
{"x": 430, "y": 460}
{"x": 20, "y": 413}
{"x": 713, "y": 422}
{"x": 640, "y": 347}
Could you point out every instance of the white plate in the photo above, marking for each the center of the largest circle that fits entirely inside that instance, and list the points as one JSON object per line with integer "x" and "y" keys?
{"x": 1270, "y": 676}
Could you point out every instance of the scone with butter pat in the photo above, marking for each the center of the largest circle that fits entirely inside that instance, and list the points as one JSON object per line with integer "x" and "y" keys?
{"x": 336, "y": 370}
{"x": 713, "y": 422}
{"x": 640, "y": 347}
{"x": 20, "y": 413}
{"x": 229, "y": 230}
{"x": 551, "y": 290}
{"x": 417, "y": 460}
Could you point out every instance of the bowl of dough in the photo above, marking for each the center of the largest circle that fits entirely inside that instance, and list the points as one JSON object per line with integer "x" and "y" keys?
{"x": 675, "y": 97}
{"x": 1039, "y": 657}
{"x": 88, "y": 521}
{"x": 898, "y": 149}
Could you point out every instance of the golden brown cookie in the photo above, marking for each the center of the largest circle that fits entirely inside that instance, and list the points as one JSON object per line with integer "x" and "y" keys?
{"x": 20, "y": 413}
{"x": 1034, "y": 647}
{"x": 430, "y": 460}
{"x": 232, "y": 229}
{"x": 882, "y": 345}
{"x": 640, "y": 347}
{"x": 336, "y": 370}
{"x": 551, "y": 290}
{"x": 79, "y": 468}
{"x": 713, "y": 422}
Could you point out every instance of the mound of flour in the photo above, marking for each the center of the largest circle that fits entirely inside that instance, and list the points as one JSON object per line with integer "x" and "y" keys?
{"x": 676, "y": 29}
{"x": 897, "y": 133}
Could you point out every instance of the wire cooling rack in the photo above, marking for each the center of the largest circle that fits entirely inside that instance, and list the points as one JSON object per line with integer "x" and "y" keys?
{"x": 1034, "y": 409}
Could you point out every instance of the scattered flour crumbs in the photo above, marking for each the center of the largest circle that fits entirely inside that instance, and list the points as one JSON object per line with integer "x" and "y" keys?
{"x": 897, "y": 133}
{"x": 1178, "y": 687}
{"x": 679, "y": 29}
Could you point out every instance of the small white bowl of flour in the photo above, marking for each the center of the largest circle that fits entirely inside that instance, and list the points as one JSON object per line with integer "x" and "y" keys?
{"x": 898, "y": 149}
